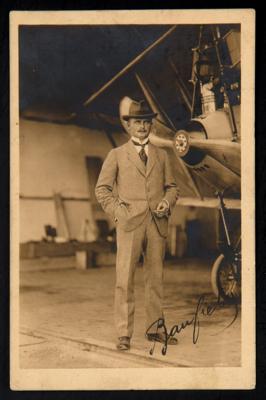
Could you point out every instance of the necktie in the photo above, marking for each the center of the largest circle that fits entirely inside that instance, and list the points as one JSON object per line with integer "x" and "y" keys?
{"x": 142, "y": 153}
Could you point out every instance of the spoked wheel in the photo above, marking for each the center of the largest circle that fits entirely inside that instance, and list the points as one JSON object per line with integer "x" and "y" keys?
{"x": 226, "y": 279}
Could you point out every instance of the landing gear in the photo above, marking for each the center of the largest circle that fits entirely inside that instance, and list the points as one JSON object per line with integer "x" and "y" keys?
{"x": 226, "y": 271}
{"x": 226, "y": 279}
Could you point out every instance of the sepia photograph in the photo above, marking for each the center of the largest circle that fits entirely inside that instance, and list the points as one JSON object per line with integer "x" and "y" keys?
{"x": 132, "y": 200}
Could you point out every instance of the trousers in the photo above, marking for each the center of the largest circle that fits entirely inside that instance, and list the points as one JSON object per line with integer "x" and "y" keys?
{"x": 146, "y": 240}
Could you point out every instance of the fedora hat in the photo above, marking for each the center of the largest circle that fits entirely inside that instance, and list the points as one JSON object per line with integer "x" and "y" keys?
{"x": 135, "y": 109}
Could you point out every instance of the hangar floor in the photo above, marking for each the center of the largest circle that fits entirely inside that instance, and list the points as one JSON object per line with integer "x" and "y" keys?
{"x": 66, "y": 318}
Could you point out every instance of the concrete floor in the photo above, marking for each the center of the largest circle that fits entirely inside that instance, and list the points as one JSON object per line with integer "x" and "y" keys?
{"x": 66, "y": 318}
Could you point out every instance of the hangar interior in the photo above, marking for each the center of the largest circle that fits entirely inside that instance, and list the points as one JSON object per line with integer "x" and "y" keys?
{"x": 55, "y": 160}
{"x": 58, "y": 133}
{"x": 65, "y": 133}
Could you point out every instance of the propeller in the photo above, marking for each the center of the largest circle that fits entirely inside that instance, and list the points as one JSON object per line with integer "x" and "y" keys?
{"x": 134, "y": 62}
{"x": 163, "y": 136}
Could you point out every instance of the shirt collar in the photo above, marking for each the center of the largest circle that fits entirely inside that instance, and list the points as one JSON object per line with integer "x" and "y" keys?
{"x": 135, "y": 139}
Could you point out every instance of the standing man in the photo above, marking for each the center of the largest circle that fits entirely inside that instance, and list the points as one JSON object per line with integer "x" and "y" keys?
{"x": 145, "y": 193}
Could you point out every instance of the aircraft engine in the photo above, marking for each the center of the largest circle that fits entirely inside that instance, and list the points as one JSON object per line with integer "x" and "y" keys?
{"x": 207, "y": 148}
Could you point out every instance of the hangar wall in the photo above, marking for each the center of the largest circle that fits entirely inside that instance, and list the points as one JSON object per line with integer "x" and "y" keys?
{"x": 52, "y": 159}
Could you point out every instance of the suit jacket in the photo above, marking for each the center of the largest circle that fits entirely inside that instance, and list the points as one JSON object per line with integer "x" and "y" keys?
{"x": 139, "y": 188}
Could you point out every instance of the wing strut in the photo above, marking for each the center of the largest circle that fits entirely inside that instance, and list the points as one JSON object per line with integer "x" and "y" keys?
{"x": 194, "y": 79}
{"x": 180, "y": 84}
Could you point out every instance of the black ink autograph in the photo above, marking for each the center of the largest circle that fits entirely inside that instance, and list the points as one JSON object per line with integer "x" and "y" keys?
{"x": 203, "y": 308}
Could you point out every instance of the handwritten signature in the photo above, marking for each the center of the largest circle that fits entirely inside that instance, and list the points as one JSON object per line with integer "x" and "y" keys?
{"x": 203, "y": 308}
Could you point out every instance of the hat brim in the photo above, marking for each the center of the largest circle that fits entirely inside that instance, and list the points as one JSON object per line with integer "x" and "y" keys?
{"x": 142, "y": 116}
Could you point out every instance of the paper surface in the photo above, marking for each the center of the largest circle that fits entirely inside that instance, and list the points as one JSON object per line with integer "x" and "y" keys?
{"x": 213, "y": 377}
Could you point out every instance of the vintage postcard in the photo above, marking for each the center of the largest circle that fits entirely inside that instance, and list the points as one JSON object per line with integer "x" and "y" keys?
{"x": 132, "y": 199}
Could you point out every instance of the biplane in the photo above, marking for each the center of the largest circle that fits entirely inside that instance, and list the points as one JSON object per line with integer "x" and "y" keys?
{"x": 207, "y": 149}
{"x": 191, "y": 77}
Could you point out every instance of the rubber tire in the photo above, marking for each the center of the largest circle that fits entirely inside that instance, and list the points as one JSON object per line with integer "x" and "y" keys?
{"x": 215, "y": 285}
{"x": 214, "y": 275}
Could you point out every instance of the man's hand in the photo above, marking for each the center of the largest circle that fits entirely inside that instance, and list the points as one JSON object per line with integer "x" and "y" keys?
{"x": 162, "y": 209}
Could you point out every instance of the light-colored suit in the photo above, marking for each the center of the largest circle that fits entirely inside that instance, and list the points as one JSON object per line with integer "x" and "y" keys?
{"x": 129, "y": 191}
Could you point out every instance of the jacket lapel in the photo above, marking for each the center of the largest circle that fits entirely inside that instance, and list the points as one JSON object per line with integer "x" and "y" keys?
{"x": 151, "y": 159}
{"x": 135, "y": 158}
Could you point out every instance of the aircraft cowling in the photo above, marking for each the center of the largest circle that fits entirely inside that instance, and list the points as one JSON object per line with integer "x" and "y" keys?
{"x": 206, "y": 148}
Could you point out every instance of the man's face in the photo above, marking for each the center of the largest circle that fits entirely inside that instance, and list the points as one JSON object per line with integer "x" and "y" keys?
{"x": 139, "y": 128}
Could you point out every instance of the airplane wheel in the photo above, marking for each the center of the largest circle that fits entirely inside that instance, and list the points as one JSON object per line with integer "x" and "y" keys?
{"x": 225, "y": 280}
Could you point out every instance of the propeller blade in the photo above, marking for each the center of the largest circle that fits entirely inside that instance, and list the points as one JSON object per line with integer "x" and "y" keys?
{"x": 154, "y": 104}
{"x": 193, "y": 182}
{"x": 165, "y": 141}
{"x": 128, "y": 66}
{"x": 162, "y": 135}
{"x": 227, "y": 153}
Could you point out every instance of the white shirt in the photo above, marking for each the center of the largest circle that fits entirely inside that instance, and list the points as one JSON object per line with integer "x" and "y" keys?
{"x": 138, "y": 148}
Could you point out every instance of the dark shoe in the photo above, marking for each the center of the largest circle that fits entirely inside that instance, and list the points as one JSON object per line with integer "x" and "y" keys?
{"x": 160, "y": 337}
{"x": 123, "y": 343}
